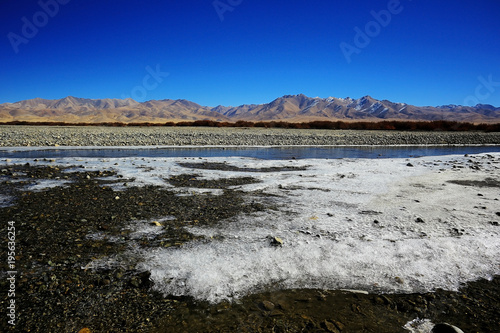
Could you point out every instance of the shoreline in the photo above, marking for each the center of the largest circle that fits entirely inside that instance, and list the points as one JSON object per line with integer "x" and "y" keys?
{"x": 68, "y": 136}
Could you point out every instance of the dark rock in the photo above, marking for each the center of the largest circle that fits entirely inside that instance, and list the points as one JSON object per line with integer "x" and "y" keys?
{"x": 134, "y": 281}
{"x": 268, "y": 306}
{"x": 458, "y": 232}
{"x": 276, "y": 241}
{"x": 276, "y": 313}
{"x": 330, "y": 327}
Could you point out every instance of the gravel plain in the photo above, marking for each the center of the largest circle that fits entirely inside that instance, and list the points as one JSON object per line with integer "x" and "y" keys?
{"x": 18, "y": 136}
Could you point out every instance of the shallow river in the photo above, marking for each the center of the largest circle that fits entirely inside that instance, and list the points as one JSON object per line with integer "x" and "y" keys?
{"x": 268, "y": 153}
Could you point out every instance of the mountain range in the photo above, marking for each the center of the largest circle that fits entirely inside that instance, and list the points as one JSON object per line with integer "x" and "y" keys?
{"x": 291, "y": 108}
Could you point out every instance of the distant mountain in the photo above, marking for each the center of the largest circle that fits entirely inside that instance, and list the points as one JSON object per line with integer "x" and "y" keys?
{"x": 292, "y": 108}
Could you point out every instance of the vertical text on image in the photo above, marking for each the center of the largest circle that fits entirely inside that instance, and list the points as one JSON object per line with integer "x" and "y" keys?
{"x": 11, "y": 273}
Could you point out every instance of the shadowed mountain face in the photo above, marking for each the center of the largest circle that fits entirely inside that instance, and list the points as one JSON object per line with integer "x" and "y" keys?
{"x": 292, "y": 108}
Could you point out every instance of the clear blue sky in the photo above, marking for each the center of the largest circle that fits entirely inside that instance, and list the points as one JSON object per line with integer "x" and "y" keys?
{"x": 430, "y": 53}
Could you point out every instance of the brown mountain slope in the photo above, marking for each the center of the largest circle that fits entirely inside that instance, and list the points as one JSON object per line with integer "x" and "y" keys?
{"x": 292, "y": 108}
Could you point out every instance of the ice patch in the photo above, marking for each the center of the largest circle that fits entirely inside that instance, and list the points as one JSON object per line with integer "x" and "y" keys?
{"x": 235, "y": 267}
{"x": 188, "y": 191}
{"x": 101, "y": 236}
{"x": 426, "y": 326}
{"x": 345, "y": 224}
{"x": 149, "y": 228}
{"x": 419, "y": 326}
{"x": 44, "y": 184}
{"x": 6, "y": 201}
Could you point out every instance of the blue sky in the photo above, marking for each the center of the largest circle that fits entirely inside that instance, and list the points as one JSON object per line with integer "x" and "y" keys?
{"x": 234, "y": 52}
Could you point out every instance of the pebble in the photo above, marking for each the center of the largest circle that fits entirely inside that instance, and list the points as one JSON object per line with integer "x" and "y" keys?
{"x": 276, "y": 241}
{"x": 85, "y": 330}
{"x": 268, "y": 306}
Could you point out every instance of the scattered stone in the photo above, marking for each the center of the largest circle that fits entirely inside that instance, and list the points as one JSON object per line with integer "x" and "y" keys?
{"x": 369, "y": 212}
{"x": 276, "y": 313}
{"x": 276, "y": 241}
{"x": 268, "y": 306}
{"x": 409, "y": 165}
{"x": 85, "y": 330}
{"x": 339, "y": 325}
{"x": 419, "y": 220}
{"x": 457, "y": 232}
{"x": 330, "y": 327}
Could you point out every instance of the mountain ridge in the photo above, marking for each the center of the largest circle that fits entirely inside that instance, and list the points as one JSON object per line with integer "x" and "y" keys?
{"x": 291, "y": 108}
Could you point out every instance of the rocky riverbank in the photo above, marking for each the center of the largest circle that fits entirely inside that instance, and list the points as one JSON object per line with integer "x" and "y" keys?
{"x": 62, "y": 231}
{"x": 15, "y": 136}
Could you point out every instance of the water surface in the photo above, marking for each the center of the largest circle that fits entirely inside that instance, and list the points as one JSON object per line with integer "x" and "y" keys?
{"x": 267, "y": 153}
